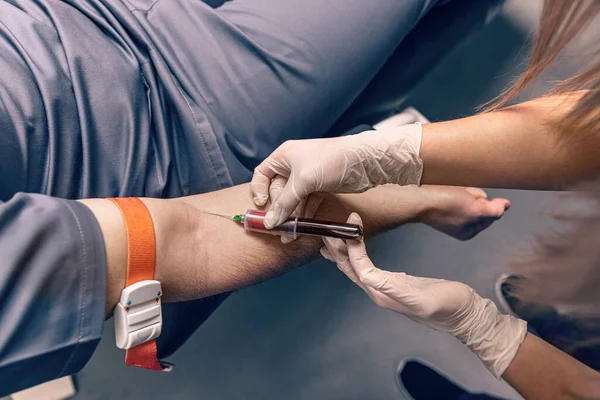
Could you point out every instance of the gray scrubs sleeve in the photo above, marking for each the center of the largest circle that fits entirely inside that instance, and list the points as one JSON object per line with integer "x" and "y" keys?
{"x": 52, "y": 289}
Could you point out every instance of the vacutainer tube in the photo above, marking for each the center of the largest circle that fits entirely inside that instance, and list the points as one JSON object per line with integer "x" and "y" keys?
{"x": 253, "y": 220}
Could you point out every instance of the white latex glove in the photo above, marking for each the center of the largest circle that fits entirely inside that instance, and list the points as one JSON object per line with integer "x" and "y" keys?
{"x": 306, "y": 209}
{"x": 348, "y": 164}
{"x": 439, "y": 304}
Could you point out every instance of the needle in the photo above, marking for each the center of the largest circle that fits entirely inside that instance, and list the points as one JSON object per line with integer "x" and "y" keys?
{"x": 217, "y": 215}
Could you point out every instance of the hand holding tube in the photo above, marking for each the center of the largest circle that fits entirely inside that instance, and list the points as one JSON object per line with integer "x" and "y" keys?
{"x": 439, "y": 304}
{"x": 254, "y": 221}
{"x": 349, "y": 164}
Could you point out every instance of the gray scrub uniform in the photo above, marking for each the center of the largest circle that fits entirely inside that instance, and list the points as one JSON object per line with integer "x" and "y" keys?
{"x": 157, "y": 98}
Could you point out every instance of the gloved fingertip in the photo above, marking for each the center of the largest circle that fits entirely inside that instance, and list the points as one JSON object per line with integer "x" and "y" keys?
{"x": 270, "y": 220}
{"x": 354, "y": 218}
{"x": 285, "y": 239}
{"x": 260, "y": 200}
{"x": 275, "y": 216}
{"x": 326, "y": 254}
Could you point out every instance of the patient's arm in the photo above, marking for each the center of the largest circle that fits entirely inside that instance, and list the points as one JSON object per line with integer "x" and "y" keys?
{"x": 199, "y": 255}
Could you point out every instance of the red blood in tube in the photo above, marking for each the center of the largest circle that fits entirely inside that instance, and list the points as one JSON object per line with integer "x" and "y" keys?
{"x": 255, "y": 220}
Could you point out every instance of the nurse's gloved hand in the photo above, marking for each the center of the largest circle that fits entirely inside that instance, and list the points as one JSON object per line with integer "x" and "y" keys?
{"x": 306, "y": 209}
{"x": 439, "y": 304}
{"x": 348, "y": 164}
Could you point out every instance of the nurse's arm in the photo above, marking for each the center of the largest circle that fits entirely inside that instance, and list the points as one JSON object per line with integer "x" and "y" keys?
{"x": 519, "y": 147}
{"x": 541, "y": 371}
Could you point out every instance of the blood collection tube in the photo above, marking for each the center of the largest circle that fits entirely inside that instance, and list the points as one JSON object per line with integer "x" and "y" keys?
{"x": 253, "y": 220}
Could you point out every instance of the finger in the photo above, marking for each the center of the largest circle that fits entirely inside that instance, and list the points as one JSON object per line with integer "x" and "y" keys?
{"x": 381, "y": 286}
{"x": 283, "y": 206}
{"x": 364, "y": 269}
{"x": 263, "y": 174}
{"x": 326, "y": 254}
{"x": 276, "y": 186}
{"x": 285, "y": 239}
{"x": 298, "y": 212}
{"x": 312, "y": 205}
{"x": 336, "y": 249}
{"x": 495, "y": 208}
{"x": 477, "y": 192}
{"x": 354, "y": 218}
{"x": 368, "y": 274}
{"x": 306, "y": 209}
{"x": 259, "y": 186}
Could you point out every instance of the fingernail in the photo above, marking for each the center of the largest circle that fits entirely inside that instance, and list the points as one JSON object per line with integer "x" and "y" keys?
{"x": 354, "y": 218}
{"x": 269, "y": 220}
{"x": 274, "y": 217}
{"x": 287, "y": 239}
{"x": 260, "y": 200}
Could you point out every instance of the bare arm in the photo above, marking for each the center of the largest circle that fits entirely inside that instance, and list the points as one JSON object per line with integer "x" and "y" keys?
{"x": 199, "y": 255}
{"x": 516, "y": 147}
{"x": 541, "y": 371}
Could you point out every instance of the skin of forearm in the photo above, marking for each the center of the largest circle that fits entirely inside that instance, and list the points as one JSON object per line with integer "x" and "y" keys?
{"x": 541, "y": 371}
{"x": 232, "y": 258}
{"x": 199, "y": 255}
{"x": 518, "y": 147}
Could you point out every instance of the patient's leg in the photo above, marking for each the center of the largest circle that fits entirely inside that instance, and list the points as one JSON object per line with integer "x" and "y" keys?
{"x": 265, "y": 71}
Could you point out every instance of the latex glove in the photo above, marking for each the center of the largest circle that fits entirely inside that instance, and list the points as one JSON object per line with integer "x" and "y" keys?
{"x": 439, "y": 304}
{"x": 348, "y": 164}
{"x": 307, "y": 208}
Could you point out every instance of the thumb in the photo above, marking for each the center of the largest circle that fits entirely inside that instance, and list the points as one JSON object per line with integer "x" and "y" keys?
{"x": 361, "y": 263}
{"x": 476, "y": 192}
{"x": 275, "y": 164}
{"x": 261, "y": 181}
{"x": 493, "y": 209}
{"x": 500, "y": 205}
{"x": 354, "y": 218}
{"x": 285, "y": 204}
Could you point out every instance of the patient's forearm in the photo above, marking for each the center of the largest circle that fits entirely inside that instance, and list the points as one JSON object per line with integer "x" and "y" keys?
{"x": 199, "y": 255}
{"x": 231, "y": 258}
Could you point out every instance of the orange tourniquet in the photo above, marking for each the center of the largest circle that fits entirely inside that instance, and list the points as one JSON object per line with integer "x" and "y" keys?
{"x": 141, "y": 259}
